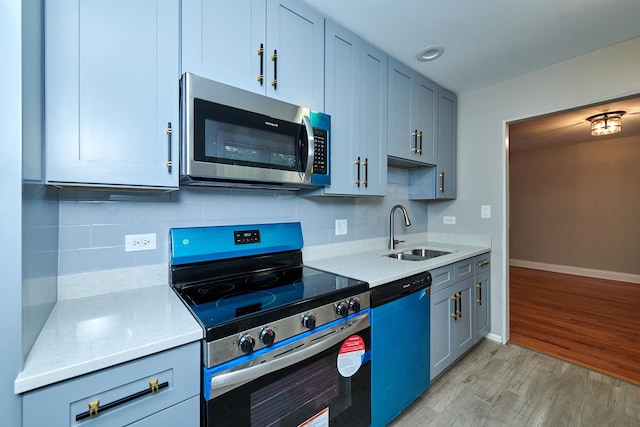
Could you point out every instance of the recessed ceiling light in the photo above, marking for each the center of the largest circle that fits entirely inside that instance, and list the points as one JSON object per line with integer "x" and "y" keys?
{"x": 430, "y": 53}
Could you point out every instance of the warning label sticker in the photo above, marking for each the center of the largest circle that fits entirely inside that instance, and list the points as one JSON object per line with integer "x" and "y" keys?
{"x": 321, "y": 419}
{"x": 350, "y": 355}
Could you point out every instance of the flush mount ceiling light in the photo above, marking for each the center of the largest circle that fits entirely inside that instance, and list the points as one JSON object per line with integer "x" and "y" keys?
{"x": 606, "y": 123}
{"x": 430, "y": 53}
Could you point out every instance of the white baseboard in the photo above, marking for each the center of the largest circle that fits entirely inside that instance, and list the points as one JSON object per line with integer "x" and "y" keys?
{"x": 578, "y": 271}
{"x": 494, "y": 338}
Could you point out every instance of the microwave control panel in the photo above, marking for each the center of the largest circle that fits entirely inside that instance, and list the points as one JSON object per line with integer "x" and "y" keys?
{"x": 320, "y": 153}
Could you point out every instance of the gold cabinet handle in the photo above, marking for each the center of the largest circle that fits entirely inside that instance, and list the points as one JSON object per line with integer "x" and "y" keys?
{"x": 261, "y": 55}
{"x": 95, "y": 408}
{"x": 169, "y": 163}
{"x": 357, "y": 163}
{"x": 274, "y": 58}
{"x": 414, "y": 134}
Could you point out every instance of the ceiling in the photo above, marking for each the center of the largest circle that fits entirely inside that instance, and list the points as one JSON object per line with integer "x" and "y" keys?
{"x": 486, "y": 41}
{"x": 571, "y": 127}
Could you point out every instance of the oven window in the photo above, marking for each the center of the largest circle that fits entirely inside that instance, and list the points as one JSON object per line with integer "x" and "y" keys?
{"x": 297, "y": 393}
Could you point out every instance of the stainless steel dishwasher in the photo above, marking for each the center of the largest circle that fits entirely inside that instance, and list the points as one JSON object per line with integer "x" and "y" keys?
{"x": 400, "y": 345}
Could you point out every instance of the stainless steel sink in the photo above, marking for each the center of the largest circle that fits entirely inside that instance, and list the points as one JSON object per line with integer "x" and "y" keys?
{"x": 426, "y": 253}
{"x": 417, "y": 254}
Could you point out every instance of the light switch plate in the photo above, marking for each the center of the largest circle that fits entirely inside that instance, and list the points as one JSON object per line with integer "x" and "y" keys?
{"x": 485, "y": 211}
{"x": 341, "y": 227}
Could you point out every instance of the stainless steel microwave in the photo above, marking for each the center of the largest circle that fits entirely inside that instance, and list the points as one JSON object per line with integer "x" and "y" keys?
{"x": 232, "y": 137}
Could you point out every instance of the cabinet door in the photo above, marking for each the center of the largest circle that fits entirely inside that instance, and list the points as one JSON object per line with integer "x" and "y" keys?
{"x": 482, "y": 306}
{"x": 342, "y": 104}
{"x": 373, "y": 123}
{"x": 109, "y": 99}
{"x": 356, "y": 99}
{"x": 401, "y": 143}
{"x": 463, "y": 325}
{"x": 442, "y": 323}
{"x": 423, "y": 111}
{"x": 60, "y": 404}
{"x": 222, "y": 40}
{"x": 411, "y": 116}
{"x": 446, "y": 182}
{"x": 296, "y": 74}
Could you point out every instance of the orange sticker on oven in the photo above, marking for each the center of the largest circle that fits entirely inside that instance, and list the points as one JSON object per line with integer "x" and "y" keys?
{"x": 321, "y": 419}
{"x": 350, "y": 355}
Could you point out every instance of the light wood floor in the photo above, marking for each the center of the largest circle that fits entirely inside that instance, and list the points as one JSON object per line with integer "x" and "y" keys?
{"x": 509, "y": 385}
{"x": 592, "y": 322}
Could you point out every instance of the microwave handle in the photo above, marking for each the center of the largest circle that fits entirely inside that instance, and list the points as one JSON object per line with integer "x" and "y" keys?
{"x": 311, "y": 148}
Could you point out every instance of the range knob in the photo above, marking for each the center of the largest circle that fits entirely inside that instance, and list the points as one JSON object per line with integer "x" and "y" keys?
{"x": 354, "y": 304}
{"x": 342, "y": 308}
{"x": 267, "y": 336}
{"x": 309, "y": 321}
{"x": 246, "y": 344}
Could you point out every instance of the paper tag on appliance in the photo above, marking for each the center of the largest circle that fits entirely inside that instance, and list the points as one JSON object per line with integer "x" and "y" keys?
{"x": 350, "y": 355}
{"x": 321, "y": 419}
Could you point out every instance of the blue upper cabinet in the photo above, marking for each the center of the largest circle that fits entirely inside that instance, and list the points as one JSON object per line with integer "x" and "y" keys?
{"x": 111, "y": 90}
{"x": 266, "y": 46}
{"x": 356, "y": 99}
{"x": 412, "y": 117}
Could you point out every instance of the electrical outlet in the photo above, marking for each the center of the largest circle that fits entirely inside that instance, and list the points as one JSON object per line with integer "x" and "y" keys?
{"x": 139, "y": 242}
{"x": 341, "y": 227}
{"x": 449, "y": 220}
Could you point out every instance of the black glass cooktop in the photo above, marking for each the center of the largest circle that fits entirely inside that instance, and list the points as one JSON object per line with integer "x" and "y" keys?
{"x": 224, "y": 306}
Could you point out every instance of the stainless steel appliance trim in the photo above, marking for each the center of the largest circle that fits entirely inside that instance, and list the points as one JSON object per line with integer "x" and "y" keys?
{"x": 193, "y": 86}
{"x": 225, "y": 349}
{"x": 271, "y": 362}
{"x": 311, "y": 149}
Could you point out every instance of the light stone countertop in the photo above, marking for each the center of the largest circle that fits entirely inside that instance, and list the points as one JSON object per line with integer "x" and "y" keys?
{"x": 106, "y": 318}
{"x": 83, "y": 335}
{"x": 365, "y": 260}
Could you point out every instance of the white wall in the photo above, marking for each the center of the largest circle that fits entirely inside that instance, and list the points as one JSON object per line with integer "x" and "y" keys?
{"x": 482, "y": 152}
{"x": 10, "y": 226}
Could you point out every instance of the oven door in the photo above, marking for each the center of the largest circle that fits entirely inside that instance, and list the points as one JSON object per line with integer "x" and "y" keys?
{"x": 319, "y": 378}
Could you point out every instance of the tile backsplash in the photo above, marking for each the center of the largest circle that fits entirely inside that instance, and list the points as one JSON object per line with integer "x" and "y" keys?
{"x": 92, "y": 224}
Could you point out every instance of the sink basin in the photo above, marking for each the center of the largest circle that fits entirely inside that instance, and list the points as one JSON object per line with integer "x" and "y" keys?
{"x": 407, "y": 256}
{"x": 418, "y": 254}
{"x": 426, "y": 253}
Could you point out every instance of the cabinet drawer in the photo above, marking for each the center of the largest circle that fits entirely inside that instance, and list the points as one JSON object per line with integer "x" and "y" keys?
{"x": 482, "y": 263}
{"x": 463, "y": 270}
{"x": 66, "y": 403}
{"x": 441, "y": 277}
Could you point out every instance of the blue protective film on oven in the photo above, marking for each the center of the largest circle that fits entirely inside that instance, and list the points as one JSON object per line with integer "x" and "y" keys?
{"x": 198, "y": 244}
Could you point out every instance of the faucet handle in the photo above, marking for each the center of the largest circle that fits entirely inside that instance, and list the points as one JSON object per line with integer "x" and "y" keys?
{"x": 396, "y": 241}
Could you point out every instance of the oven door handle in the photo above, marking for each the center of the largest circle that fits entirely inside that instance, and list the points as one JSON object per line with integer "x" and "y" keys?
{"x": 227, "y": 381}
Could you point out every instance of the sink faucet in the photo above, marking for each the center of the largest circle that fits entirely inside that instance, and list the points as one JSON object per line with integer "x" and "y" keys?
{"x": 407, "y": 222}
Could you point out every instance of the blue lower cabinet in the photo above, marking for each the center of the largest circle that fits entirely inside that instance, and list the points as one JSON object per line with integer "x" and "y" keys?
{"x": 400, "y": 351}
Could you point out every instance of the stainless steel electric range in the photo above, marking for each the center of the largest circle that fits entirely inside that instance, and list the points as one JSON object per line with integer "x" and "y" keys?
{"x": 285, "y": 344}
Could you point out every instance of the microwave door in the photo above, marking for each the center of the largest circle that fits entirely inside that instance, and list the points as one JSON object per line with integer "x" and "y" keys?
{"x": 306, "y": 149}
